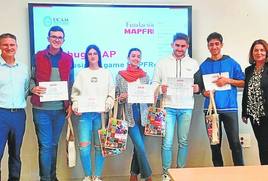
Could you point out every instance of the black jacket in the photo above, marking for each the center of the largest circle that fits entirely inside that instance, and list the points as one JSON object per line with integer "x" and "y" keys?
{"x": 264, "y": 86}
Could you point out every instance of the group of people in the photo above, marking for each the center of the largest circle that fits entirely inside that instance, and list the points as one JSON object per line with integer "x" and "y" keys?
{"x": 53, "y": 64}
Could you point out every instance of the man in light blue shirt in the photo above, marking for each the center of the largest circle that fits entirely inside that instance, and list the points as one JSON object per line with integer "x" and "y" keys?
{"x": 14, "y": 83}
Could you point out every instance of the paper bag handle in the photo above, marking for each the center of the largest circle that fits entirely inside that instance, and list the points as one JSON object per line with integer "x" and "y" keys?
{"x": 70, "y": 130}
{"x": 212, "y": 105}
{"x": 162, "y": 99}
{"x": 116, "y": 110}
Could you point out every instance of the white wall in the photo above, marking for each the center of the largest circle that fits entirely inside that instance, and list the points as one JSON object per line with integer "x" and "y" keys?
{"x": 240, "y": 22}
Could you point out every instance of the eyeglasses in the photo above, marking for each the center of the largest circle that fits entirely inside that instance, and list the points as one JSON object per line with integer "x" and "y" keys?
{"x": 60, "y": 38}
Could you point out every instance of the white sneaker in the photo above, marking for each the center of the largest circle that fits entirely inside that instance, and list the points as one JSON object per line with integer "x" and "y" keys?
{"x": 96, "y": 178}
{"x": 88, "y": 178}
{"x": 165, "y": 177}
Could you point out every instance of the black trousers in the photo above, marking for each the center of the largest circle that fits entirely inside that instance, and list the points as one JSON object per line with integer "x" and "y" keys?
{"x": 230, "y": 123}
{"x": 261, "y": 134}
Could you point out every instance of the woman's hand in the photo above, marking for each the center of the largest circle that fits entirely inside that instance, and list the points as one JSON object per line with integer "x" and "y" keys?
{"x": 75, "y": 110}
{"x": 245, "y": 120}
{"x": 69, "y": 112}
{"x": 123, "y": 96}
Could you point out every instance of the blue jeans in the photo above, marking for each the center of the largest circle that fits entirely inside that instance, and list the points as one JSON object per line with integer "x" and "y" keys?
{"x": 12, "y": 128}
{"x": 48, "y": 127}
{"x": 230, "y": 122}
{"x": 90, "y": 123}
{"x": 183, "y": 119}
{"x": 139, "y": 163}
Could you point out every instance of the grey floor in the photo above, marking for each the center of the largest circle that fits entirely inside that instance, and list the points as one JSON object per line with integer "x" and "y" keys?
{"x": 154, "y": 178}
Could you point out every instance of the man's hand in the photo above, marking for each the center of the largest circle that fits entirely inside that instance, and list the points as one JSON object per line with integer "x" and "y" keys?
{"x": 222, "y": 81}
{"x": 38, "y": 90}
{"x": 207, "y": 93}
{"x": 195, "y": 88}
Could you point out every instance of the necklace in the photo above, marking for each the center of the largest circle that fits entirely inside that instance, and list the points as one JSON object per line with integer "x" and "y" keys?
{"x": 258, "y": 70}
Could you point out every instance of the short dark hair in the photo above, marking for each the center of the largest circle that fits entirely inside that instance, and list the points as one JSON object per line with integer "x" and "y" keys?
{"x": 181, "y": 36}
{"x": 215, "y": 35}
{"x": 8, "y": 35}
{"x": 258, "y": 42}
{"x": 133, "y": 49}
{"x": 87, "y": 64}
{"x": 56, "y": 28}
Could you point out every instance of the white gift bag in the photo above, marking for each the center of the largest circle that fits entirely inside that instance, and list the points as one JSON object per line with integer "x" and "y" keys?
{"x": 70, "y": 147}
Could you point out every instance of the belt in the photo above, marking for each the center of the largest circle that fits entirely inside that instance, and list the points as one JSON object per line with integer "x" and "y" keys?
{"x": 11, "y": 109}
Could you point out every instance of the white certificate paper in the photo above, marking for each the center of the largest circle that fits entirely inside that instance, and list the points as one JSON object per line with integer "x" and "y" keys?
{"x": 90, "y": 104}
{"x": 55, "y": 91}
{"x": 140, "y": 93}
{"x": 209, "y": 78}
{"x": 181, "y": 91}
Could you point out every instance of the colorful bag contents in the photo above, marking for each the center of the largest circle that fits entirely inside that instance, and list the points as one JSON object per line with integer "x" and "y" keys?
{"x": 113, "y": 139}
{"x": 156, "y": 123}
{"x": 117, "y": 131}
{"x": 106, "y": 151}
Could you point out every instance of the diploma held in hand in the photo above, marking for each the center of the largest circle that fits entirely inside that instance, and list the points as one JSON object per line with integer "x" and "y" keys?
{"x": 140, "y": 93}
{"x": 209, "y": 79}
{"x": 90, "y": 104}
{"x": 181, "y": 91}
{"x": 55, "y": 91}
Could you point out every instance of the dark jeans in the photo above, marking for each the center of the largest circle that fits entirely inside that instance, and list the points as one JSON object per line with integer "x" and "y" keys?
{"x": 139, "y": 163}
{"x": 48, "y": 127}
{"x": 230, "y": 122}
{"x": 12, "y": 128}
{"x": 261, "y": 134}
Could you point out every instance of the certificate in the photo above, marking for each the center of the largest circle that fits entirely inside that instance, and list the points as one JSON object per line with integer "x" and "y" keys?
{"x": 140, "y": 93}
{"x": 209, "y": 78}
{"x": 181, "y": 91}
{"x": 55, "y": 91}
{"x": 90, "y": 104}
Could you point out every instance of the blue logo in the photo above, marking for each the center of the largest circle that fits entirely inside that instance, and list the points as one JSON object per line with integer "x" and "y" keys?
{"x": 55, "y": 21}
{"x": 47, "y": 21}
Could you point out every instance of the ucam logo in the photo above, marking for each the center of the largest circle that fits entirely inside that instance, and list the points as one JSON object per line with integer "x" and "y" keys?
{"x": 49, "y": 21}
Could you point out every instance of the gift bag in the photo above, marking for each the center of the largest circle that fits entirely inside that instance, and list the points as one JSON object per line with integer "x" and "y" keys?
{"x": 212, "y": 122}
{"x": 70, "y": 147}
{"x": 102, "y": 137}
{"x": 117, "y": 131}
{"x": 156, "y": 123}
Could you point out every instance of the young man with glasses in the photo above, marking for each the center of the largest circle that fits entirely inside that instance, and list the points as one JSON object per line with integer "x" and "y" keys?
{"x": 50, "y": 64}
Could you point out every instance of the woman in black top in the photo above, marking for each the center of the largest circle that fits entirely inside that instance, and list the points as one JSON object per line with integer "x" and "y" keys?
{"x": 255, "y": 96}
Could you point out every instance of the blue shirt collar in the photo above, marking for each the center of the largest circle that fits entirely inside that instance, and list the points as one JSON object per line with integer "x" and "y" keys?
{"x": 3, "y": 62}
